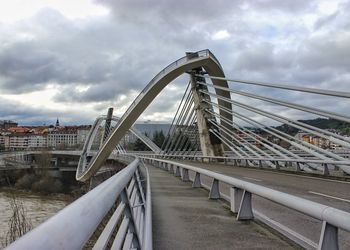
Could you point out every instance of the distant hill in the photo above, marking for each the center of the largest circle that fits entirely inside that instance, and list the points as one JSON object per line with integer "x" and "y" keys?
{"x": 323, "y": 123}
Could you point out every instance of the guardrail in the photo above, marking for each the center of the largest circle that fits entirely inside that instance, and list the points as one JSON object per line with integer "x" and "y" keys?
{"x": 241, "y": 200}
{"x": 256, "y": 161}
{"x": 73, "y": 226}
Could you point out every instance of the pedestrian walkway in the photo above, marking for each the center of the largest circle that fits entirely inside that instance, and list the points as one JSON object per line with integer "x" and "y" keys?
{"x": 184, "y": 218}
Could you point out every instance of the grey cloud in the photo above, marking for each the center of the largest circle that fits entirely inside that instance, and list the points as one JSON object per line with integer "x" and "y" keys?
{"x": 119, "y": 54}
{"x": 12, "y": 110}
{"x": 287, "y": 6}
{"x": 323, "y": 21}
{"x": 327, "y": 51}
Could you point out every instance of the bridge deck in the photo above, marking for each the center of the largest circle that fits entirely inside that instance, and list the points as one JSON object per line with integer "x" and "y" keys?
{"x": 184, "y": 218}
{"x": 325, "y": 191}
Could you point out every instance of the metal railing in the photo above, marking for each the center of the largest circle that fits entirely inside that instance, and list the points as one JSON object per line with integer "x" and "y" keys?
{"x": 258, "y": 161}
{"x": 241, "y": 200}
{"x": 73, "y": 226}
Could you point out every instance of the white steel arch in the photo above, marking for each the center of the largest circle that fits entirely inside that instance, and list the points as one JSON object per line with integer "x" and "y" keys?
{"x": 202, "y": 58}
{"x": 83, "y": 161}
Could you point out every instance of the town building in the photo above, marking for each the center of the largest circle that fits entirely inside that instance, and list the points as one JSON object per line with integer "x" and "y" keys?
{"x": 6, "y": 124}
{"x": 40, "y": 137}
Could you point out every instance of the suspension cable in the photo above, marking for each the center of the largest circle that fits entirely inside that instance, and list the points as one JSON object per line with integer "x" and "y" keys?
{"x": 183, "y": 131}
{"x": 224, "y": 119}
{"x": 182, "y": 99}
{"x": 308, "y": 128}
{"x": 181, "y": 122}
{"x": 251, "y": 134}
{"x": 307, "y": 147}
{"x": 174, "y": 127}
{"x": 288, "y": 87}
{"x": 283, "y": 103}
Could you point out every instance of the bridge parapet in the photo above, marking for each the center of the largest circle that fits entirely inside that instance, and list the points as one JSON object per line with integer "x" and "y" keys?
{"x": 73, "y": 226}
{"x": 291, "y": 164}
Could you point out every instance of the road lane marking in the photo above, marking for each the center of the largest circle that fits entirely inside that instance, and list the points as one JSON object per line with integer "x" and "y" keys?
{"x": 329, "y": 196}
{"x": 253, "y": 179}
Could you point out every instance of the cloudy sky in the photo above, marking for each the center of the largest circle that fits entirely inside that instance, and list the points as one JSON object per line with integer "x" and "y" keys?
{"x": 74, "y": 59}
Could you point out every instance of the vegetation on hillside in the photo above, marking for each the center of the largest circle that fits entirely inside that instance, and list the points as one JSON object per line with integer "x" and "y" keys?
{"x": 323, "y": 123}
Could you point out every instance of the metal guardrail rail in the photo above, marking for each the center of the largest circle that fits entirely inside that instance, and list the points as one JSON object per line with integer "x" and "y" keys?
{"x": 241, "y": 200}
{"x": 72, "y": 227}
{"x": 254, "y": 161}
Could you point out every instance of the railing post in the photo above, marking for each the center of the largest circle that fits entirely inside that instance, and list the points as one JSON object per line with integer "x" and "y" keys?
{"x": 298, "y": 167}
{"x": 277, "y": 165}
{"x": 329, "y": 237}
{"x": 130, "y": 215}
{"x": 177, "y": 172}
{"x": 214, "y": 190}
{"x": 171, "y": 169}
{"x": 197, "y": 181}
{"x": 246, "y": 163}
{"x": 166, "y": 166}
{"x": 325, "y": 169}
{"x": 185, "y": 176}
{"x": 260, "y": 164}
{"x": 235, "y": 163}
{"x": 245, "y": 211}
{"x": 235, "y": 198}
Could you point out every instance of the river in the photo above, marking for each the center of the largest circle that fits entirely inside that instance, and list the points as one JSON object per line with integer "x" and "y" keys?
{"x": 39, "y": 208}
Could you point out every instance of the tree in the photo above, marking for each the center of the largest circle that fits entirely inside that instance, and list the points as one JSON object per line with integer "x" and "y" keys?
{"x": 140, "y": 146}
{"x": 43, "y": 161}
{"x": 19, "y": 223}
{"x": 158, "y": 138}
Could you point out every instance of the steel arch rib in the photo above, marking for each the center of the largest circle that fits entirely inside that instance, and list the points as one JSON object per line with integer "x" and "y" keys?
{"x": 149, "y": 143}
{"x": 92, "y": 134}
{"x": 202, "y": 58}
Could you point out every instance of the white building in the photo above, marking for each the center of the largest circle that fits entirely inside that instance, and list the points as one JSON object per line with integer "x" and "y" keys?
{"x": 61, "y": 139}
{"x": 37, "y": 141}
{"x": 18, "y": 141}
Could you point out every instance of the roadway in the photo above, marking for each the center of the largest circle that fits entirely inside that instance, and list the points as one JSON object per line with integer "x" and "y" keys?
{"x": 184, "y": 218}
{"x": 325, "y": 191}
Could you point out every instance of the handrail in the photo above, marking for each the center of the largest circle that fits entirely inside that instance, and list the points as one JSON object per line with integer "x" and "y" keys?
{"x": 72, "y": 227}
{"x": 148, "y": 243}
{"x": 230, "y": 158}
{"x": 331, "y": 217}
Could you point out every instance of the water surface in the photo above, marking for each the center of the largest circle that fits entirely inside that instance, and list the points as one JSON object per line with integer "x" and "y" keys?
{"x": 39, "y": 208}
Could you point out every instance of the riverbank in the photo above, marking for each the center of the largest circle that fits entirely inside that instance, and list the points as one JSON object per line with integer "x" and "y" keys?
{"x": 41, "y": 183}
{"x": 38, "y": 207}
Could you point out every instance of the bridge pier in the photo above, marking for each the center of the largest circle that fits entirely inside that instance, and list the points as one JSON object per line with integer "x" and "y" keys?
{"x": 210, "y": 144}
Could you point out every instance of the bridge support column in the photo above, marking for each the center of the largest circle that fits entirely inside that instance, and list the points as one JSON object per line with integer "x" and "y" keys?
{"x": 210, "y": 144}
{"x": 108, "y": 123}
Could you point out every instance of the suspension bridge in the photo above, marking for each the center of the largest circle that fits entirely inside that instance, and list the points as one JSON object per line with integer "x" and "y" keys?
{"x": 267, "y": 188}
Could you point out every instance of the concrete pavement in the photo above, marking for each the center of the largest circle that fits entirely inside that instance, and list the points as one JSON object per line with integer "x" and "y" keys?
{"x": 329, "y": 192}
{"x": 184, "y": 218}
